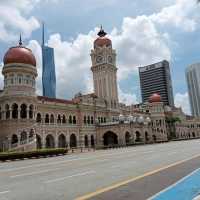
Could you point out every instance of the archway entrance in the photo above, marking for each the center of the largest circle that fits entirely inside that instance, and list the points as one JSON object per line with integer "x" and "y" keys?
{"x": 38, "y": 142}
{"x": 110, "y": 138}
{"x": 138, "y": 136}
{"x": 127, "y": 138}
{"x": 73, "y": 141}
{"x": 154, "y": 138}
{"x": 14, "y": 139}
{"x": 146, "y": 137}
{"x": 61, "y": 141}
{"x": 92, "y": 140}
{"x": 50, "y": 141}
{"x": 86, "y": 141}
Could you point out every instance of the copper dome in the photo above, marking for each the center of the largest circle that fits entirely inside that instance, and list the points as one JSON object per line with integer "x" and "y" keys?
{"x": 102, "y": 40}
{"x": 19, "y": 54}
{"x": 155, "y": 98}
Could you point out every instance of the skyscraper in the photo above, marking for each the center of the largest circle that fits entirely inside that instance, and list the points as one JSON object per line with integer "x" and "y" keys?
{"x": 156, "y": 78}
{"x": 193, "y": 82}
{"x": 48, "y": 70}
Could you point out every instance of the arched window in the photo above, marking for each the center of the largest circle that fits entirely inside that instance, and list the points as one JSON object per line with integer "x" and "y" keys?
{"x": 7, "y": 111}
{"x": 23, "y": 137}
{"x": 14, "y": 111}
{"x": 59, "y": 119}
{"x": 62, "y": 141}
{"x": 31, "y": 134}
{"x": 92, "y": 120}
{"x": 64, "y": 119}
{"x": 38, "y": 141}
{"x": 52, "y": 119}
{"x": 23, "y": 113}
{"x": 14, "y": 139}
{"x": 38, "y": 118}
{"x": 73, "y": 142}
{"x": 50, "y": 143}
{"x": 88, "y": 119}
{"x": 31, "y": 111}
{"x": 70, "y": 119}
{"x": 104, "y": 120}
{"x": 74, "y": 119}
{"x": 47, "y": 118}
{"x": 101, "y": 119}
{"x": 85, "y": 120}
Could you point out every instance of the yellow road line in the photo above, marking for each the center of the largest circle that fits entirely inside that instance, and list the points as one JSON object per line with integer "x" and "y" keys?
{"x": 114, "y": 186}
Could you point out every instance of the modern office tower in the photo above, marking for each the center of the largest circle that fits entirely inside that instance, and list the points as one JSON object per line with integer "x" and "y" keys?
{"x": 193, "y": 82}
{"x": 155, "y": 78}
{"x": 48, "y": 70}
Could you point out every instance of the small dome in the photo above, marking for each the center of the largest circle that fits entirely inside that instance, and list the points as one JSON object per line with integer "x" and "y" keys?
{"x": 19, "y": 54}
{"x": 140, "y": 119}
{"x": 155, "y": 98}
{"x": 121, "y": 118}
{"x": 102, "y": 40}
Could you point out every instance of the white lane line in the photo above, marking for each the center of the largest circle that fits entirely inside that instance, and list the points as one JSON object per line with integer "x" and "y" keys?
{"x": 34, "y": 173}
{"x": 66, "y": 161}
{"x": 48, "y": 170}
{"x": 4, "y": 192}
{"x": 71, "y": 176}
{"x": 173, "y": 185}
{"x": 115, "y": 166}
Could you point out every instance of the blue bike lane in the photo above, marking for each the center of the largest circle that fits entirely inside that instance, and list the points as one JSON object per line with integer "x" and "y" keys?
{"x": 185, "y": 189}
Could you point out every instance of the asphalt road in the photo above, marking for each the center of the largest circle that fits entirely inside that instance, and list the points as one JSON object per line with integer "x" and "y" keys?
{"x": 72, "y": 176}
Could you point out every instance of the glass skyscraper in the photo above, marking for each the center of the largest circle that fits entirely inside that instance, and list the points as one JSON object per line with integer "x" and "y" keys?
{"x": 48, "y": 70}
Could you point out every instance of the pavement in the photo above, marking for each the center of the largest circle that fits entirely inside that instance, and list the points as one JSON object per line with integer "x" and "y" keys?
{"x": 139, "y": 172}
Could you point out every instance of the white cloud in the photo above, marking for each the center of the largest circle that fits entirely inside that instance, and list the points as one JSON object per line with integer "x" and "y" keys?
{"x": 36, "y": 49}
{"x": 182, "y": 100}
{"x": 138, "y": 43}
{"x": 13, "y": 19}
{"x": 127, "y": 98}
{"x": 181, "y": 15}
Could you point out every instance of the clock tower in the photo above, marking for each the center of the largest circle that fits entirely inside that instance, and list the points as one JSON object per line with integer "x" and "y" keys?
{"x": 104, "y": 70}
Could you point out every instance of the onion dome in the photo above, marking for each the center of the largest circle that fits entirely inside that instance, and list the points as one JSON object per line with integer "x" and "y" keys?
{"x": 19, "y": 54}
{"x": 155, "y": 98}
{"x": 102, "y": 40}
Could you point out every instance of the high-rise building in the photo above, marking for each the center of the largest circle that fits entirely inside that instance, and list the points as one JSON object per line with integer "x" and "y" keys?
{"x": 193, "y": 82}
{"x": 48, "y": 70}
{"x": 156, "y": 78}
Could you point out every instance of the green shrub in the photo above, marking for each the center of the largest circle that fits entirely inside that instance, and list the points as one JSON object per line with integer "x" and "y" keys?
{"x": 30, "y": 154}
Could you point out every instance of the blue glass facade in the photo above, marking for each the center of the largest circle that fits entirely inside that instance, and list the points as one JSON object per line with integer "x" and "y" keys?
{"x": 48, "y": 72}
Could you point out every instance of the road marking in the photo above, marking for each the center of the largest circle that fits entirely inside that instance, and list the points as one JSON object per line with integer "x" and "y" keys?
{"x": 71, "y": 176}
{"x": 34, "y": 173}
{"x": 173, "y": 185}
{"x": 132, "y": 179}
{"x": 71, "y": 160}
{"x": 50, "y": 170}
{"x": 4, "y": 192}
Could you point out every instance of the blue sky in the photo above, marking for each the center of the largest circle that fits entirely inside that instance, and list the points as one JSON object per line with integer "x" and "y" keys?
{"x": 142, "y": 31}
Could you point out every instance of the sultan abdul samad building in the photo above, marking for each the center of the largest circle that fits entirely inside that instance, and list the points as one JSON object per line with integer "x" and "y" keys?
{"x": 29, "y": 121}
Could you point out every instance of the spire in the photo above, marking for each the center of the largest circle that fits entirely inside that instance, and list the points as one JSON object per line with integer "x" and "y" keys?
{"x": 101, "y": 33}
{"x": 42, "y": 33}
{"x": 20, "y": 40}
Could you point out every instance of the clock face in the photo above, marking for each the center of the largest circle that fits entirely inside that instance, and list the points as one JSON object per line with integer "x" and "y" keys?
{"x": 99, "y": 59}
{"x": 110, "y": 60}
